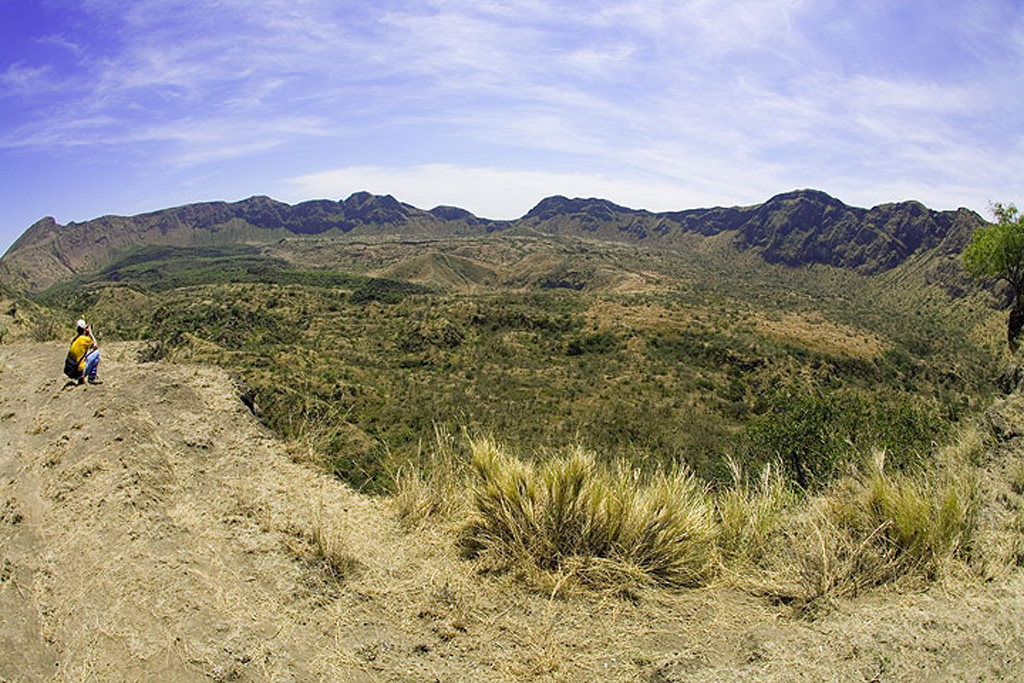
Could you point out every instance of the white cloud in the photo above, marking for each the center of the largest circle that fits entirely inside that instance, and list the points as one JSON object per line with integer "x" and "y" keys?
{"x": 489, "y": 192}
{"x": 914, "y": 97}
{"x": 743, "y": 24}
{"x": 209, "y": 140}
{"x": 24, "y": 80}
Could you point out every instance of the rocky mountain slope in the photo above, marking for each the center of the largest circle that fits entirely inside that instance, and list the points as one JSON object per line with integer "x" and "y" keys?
{"x": 796, "y": 228}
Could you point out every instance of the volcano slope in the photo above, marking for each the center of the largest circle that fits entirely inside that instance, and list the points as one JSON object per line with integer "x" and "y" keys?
{"x": 151, "y": 529}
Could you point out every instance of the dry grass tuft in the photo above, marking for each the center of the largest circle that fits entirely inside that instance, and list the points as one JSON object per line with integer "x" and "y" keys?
{"x": 434, "y": 487}
{"x": 865, "y": 530}
{"x": 928, "y": 518}
{"x": 753, "y": 517}
{"x": 834, "y": 561}
{"x": 876, "y": 528}
{"x": 329, "y": 547}
{"x": 969, "y": 446}
{"x": 1016, "y": 478}
{"x": 571, "y": 520}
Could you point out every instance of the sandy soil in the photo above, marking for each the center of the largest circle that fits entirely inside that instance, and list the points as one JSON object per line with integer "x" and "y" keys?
{"x": 151, "y": 529}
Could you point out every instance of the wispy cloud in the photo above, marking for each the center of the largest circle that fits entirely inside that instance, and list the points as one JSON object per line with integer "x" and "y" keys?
{"x": 700, "y": 101}
{"x": 26, "y": 81}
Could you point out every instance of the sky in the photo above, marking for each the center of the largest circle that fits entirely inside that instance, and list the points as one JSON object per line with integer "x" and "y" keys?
{"x": 122, "y": 107}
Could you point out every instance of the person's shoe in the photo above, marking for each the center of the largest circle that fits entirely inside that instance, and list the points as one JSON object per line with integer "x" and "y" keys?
{"x": 95, "y": 380}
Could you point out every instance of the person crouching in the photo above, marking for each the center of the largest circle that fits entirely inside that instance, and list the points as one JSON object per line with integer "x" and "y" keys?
{"x": 83, "y": 357}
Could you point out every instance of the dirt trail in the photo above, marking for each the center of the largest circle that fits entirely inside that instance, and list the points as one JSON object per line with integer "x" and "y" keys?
{"x": 151, "y": 529}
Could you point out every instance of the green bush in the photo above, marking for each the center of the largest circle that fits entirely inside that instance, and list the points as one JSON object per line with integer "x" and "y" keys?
{"x": 599, "y": 342}
{"x": 816, "y": 437}
{"x": 385, "y": 291}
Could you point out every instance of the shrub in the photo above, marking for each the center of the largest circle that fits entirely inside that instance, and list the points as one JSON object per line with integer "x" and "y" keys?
{"x": 815, "y": 437}
{"x": 598, "y": 342}
{"x": 805, "y": 434}
{"x": 571, "y": 518}
{"x": 385, "y": 291}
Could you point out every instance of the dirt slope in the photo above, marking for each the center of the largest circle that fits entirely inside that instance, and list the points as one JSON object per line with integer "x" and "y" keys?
{"x": 137, "y": 533}
{"x": 150, "y": 529}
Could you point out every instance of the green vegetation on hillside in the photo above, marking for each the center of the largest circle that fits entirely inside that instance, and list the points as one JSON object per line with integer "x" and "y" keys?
{"x": 163, "y": 268}
{"x": 810, "y": 367}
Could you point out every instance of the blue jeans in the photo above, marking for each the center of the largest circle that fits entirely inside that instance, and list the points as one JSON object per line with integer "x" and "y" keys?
{"x": 92, "y": 361}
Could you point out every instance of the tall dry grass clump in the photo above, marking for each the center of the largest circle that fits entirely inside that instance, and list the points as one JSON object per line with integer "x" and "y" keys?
{"x": 753, "y": 517}
{"x": 432, "y": 486}
{"x": 877, "y": 527}
{"x": 927, "y": 518}
{"x": 330, "y": 548}
{"x": 571, "y": 519}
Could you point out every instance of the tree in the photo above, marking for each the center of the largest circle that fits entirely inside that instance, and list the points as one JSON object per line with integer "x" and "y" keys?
{"x": 997, "y": 250}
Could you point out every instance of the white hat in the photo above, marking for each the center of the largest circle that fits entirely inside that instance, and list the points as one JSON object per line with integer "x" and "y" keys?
{"x": 81, "y": 324}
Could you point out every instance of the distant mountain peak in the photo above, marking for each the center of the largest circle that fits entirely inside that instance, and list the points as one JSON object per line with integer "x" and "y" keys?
{"x": 808, "y": 194}
{"x": 794, "y": 228}
{"x": 559, "y": 205}
{"x": 372, "y": 208}
{"x": 452, "y": 213}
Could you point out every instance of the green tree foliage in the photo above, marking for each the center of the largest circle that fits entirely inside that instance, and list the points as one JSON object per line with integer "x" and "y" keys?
{"x": 997, "y": 250}
{"x": 814, "y": 436}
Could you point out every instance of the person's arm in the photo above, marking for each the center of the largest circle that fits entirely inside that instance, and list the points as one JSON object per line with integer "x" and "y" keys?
{"x": 88, "y": 331}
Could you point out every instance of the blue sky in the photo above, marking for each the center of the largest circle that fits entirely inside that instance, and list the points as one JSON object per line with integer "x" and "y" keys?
{"x": 117, "y": 107}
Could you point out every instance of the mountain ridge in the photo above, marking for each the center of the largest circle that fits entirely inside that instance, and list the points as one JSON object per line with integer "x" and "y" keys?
{"x": 796, "y": 228}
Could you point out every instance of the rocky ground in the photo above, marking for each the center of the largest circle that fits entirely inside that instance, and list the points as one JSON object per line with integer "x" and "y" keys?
{"x": 152, "y": 529}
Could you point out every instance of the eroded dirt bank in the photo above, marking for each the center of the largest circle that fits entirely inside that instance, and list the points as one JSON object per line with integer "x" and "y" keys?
{"x": 151, "y": 529}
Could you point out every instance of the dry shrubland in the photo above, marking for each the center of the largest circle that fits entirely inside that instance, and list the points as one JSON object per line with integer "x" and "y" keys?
{"x": 571, "y": 521}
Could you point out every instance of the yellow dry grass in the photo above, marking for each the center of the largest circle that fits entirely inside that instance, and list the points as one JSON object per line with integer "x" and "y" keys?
{"x": 571, "y": 520}
{"x": 814, "y": 331}
{"x": 433, "y": 487}
{"x": 752, "y": 518}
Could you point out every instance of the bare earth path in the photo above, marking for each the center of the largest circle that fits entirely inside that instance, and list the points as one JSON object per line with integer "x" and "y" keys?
{"x": 151, "y": 529}
{"x": 139, "y": 533}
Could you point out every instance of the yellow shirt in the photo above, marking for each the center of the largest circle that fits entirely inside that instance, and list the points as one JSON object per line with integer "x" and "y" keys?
{"x": 79, "y": 348}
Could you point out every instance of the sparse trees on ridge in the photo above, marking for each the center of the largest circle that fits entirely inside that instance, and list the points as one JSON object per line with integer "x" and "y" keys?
{"x": 997, "y": 250}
